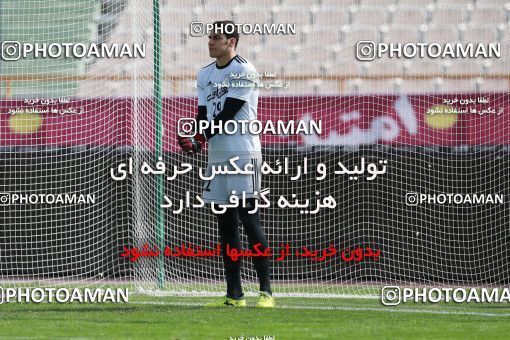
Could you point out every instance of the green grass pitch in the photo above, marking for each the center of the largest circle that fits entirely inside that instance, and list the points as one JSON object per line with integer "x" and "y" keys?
{"x": 148, "y": 317}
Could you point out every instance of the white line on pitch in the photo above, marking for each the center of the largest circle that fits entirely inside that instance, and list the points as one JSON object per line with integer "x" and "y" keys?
{"x": 370, "y": 309}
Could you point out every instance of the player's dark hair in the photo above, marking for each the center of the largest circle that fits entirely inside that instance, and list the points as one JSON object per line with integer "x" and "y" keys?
{"x": 227, "y": 26}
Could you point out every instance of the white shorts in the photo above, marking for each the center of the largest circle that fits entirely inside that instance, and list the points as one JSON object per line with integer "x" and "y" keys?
{"x": 220, "y": 188}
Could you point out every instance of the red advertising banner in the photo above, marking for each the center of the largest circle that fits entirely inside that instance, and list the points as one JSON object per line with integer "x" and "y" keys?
{"x": 446, "y": 120}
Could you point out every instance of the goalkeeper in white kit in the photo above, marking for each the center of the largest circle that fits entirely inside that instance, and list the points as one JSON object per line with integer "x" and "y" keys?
{"x": 228, "y": 90}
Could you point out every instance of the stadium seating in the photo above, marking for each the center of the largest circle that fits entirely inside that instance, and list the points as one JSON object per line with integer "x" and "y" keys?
{"x": 326, "y": 34}
{"x": 329, "y": 30}
{"x": 53, "y": 22}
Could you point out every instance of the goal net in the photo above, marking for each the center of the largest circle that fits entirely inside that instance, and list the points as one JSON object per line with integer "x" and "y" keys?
{"x": 406, "y": 183}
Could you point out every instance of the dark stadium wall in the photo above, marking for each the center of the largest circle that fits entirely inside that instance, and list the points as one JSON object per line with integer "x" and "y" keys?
{"x": 454, "y": 243}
